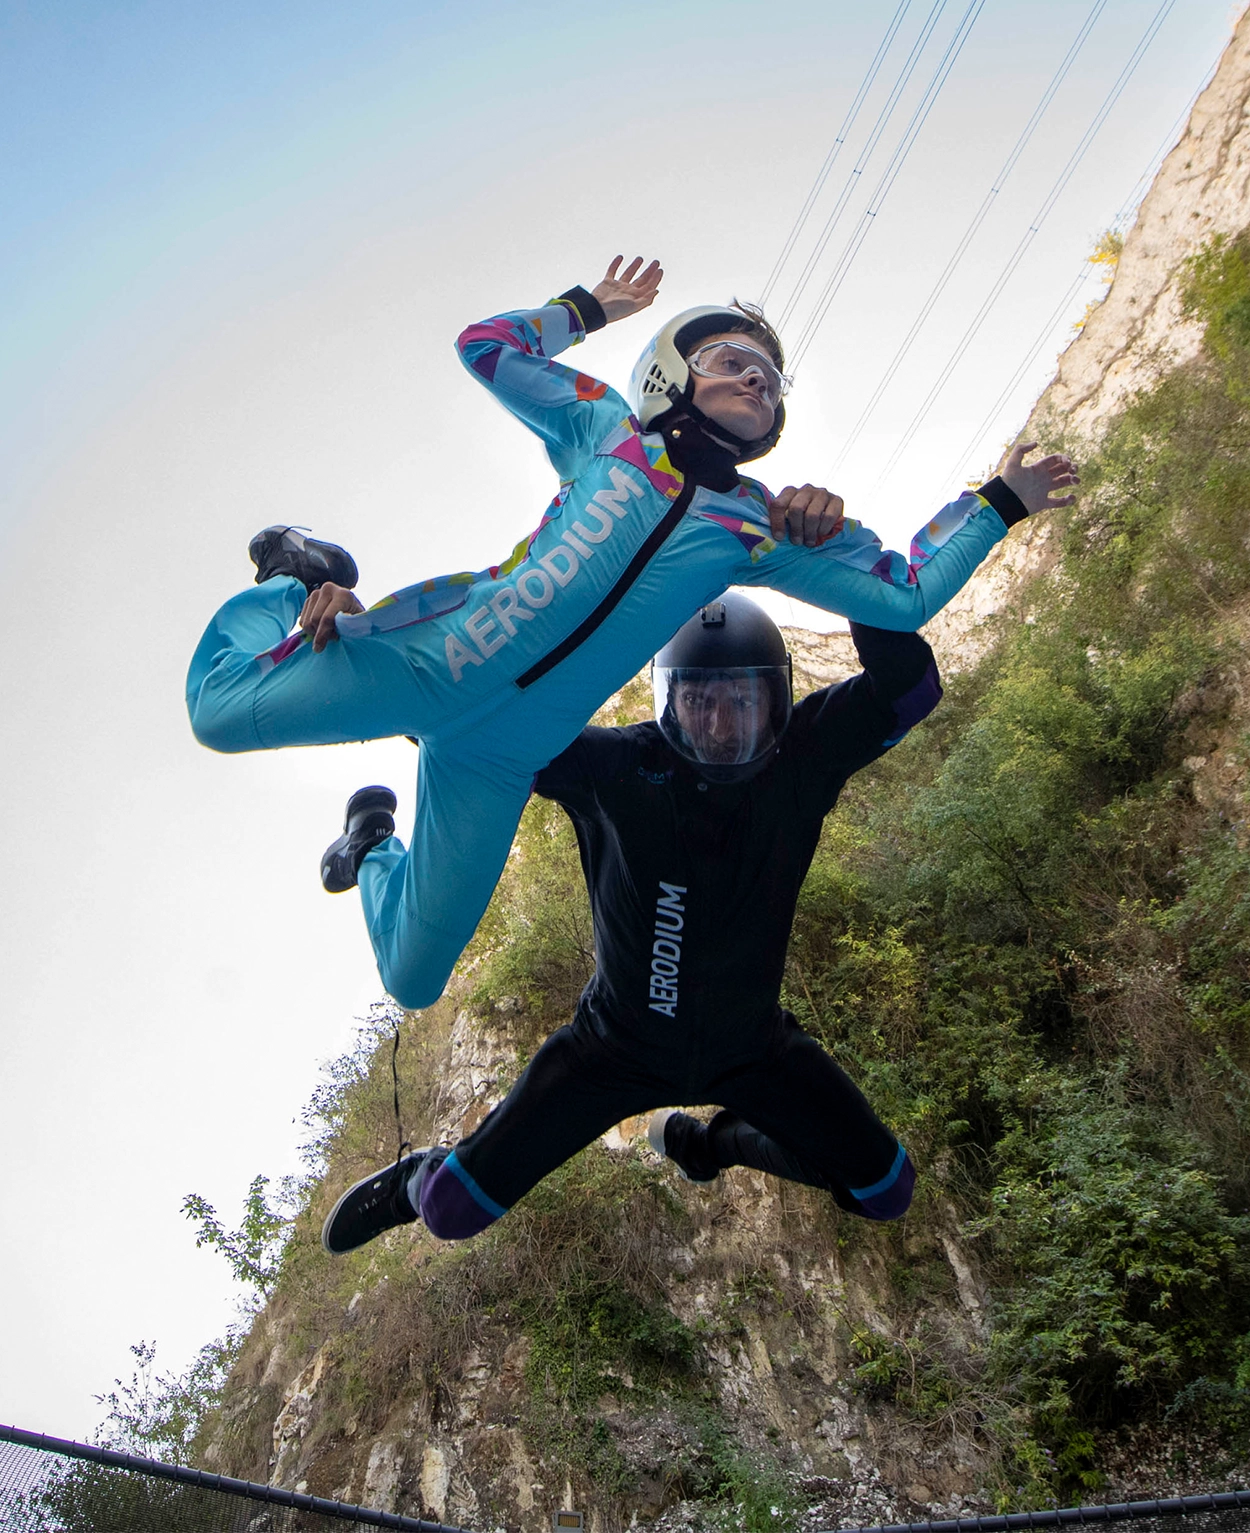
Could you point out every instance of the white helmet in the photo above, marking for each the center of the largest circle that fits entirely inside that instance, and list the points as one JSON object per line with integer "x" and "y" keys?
{"x": 661, "y": 377}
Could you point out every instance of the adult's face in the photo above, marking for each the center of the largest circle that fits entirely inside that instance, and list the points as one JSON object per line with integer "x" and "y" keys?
{"x": 727, "y": 719}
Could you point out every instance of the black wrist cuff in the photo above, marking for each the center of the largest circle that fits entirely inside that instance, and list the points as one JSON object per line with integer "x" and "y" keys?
{"x": 1004, "y": 500}
{"x": 588, "y": 307}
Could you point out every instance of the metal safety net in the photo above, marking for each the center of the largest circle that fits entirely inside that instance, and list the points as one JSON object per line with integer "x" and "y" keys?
{"x": 51, "y": 1485}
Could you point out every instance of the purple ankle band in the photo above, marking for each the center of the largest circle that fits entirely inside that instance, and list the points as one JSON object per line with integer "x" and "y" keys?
{"x": 453, "y": 1206}
{"x": 893, "y": 1201}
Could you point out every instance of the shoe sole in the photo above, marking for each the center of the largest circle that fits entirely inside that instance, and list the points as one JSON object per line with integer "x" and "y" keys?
{"x": 375, "y": 797}
{"x": 269, "y": 540}
{"x": 374, "y": 1178}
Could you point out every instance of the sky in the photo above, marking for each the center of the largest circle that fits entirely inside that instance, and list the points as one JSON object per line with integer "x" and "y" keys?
{"x": 238, "y": 244}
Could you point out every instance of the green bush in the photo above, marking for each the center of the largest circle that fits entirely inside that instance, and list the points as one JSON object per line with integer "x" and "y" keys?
{"x": 1130, "y": 1273}
{"x": 1030, "y": 943}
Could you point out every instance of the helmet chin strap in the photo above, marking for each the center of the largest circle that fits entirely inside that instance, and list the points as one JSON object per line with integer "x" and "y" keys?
{"x": 688, "y": 411}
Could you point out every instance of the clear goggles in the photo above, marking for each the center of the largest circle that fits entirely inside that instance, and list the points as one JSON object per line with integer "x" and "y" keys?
{"x": 724, "y": 717}
{"x": 733, "y": 359}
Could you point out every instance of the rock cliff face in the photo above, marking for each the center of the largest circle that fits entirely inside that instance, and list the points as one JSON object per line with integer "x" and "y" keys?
{"x": 788, "y": 1304}
{"x": 1139, "y": 330}
{"x": 758, "y": 1268}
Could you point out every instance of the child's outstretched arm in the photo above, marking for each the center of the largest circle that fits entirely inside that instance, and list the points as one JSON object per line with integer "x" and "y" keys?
{"x": 622, "y": 293}
{"x": 852, "y": 574}
{"x": 513, "y": 356}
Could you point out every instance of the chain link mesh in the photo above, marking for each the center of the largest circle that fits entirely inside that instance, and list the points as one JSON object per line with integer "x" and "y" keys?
{"x": 48, "y": 1485}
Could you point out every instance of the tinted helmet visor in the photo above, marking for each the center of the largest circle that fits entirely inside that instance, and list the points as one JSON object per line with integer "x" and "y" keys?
{"x": 722, "y": 719}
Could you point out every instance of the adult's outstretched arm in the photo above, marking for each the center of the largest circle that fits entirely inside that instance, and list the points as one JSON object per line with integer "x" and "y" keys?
{"x": 861, "y": 718}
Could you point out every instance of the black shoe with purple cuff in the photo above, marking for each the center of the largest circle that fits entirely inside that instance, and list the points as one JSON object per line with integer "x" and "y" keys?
{"x": 702, "y": 1151}
{"x": 376, "y": 1203}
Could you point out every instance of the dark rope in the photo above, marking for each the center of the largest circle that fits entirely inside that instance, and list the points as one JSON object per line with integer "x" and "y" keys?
{"x": 249, "y": 1489}
{"x": 401, "y": 1144}
{"x": 1119, "y": 1511}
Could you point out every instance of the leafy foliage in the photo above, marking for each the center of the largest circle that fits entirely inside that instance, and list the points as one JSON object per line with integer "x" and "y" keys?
{"x": 159, "y": 1415}
{"x": 1105, "y": 254}
{"x": 1029, "y": 938}
{"x": 1134, "y": 1276}
{"x": 254, "y": 1250}
{"x": 91, "y": 1498}
{"x": 155, "y": 1416}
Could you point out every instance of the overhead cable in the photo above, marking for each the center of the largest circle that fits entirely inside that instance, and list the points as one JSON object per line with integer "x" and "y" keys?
{"x": 843, "y": 133}
{"x": 970, "y": 233}
{"x": 1017, "y": 255}
{"x": 897, "y": 160}
{"x": 1031, "y": 356}
{"x": 865, "y": 154}
{"x": 1169, "y": 142}
{"x": 1128, "y": 206}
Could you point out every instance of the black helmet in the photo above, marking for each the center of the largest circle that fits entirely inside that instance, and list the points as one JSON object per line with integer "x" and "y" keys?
{"x": 722, "y": 689}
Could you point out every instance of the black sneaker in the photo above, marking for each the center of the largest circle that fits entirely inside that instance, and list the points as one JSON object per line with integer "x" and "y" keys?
{"x": 370, "y": 818}
{"x": 682, "y": 1139}
{"x": 286, "y": 551}
{"x": 373, "y": 1205}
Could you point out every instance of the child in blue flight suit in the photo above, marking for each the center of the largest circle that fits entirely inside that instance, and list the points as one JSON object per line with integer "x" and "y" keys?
{"x": 496, "y": 672}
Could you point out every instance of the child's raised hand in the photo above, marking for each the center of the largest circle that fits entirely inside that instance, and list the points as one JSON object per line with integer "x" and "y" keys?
{"x": 1037, "y": 483}
{"x": 621, "y": 294}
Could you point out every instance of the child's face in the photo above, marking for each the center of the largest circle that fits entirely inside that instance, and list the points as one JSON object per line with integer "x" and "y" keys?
{"x": 738, "y": 404}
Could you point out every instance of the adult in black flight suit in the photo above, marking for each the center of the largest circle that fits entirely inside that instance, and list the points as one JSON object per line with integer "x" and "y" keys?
{"x": 695, "y": 834}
